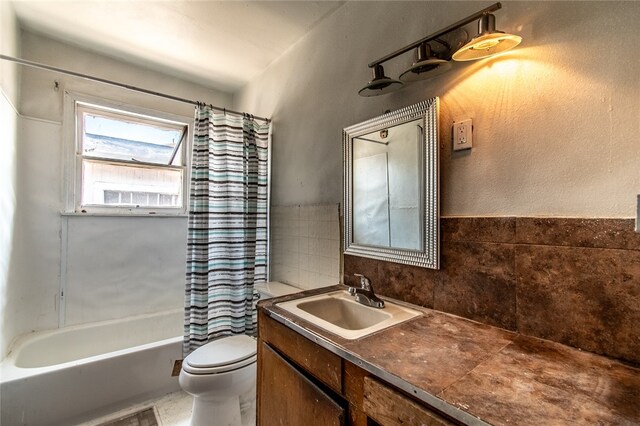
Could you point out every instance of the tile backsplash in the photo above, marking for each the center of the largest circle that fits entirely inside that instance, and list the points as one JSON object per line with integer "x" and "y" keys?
{"x": 573, "y": 281}
{"x": 305, "y": 245}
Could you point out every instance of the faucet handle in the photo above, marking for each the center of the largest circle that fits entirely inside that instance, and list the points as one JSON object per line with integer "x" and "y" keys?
{"x": 365, "y": 283}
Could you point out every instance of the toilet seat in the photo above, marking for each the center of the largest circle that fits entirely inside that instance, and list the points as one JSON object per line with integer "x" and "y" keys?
{"x": 222, "y": 355}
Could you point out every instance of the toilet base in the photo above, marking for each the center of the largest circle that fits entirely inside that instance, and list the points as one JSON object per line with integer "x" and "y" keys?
{"x": 248, "y": 407}
{"x": 216, "y": 413}
{"x": 235, "y": 411}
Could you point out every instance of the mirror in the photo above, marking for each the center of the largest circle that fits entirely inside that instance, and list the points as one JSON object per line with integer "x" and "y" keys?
{"x": 391, "y": 193}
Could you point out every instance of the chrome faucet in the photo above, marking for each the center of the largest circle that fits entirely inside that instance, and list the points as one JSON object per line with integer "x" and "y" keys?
{"x": 365, "y": 294}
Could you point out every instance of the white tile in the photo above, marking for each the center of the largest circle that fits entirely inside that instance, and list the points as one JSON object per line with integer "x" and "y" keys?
{"x": 303, "y": 279}
{"x": 306, "y": 212}
{"x": 315, "y": 229}
{"x": 328, "y": 212}
{"x": 275, "y": 263}
{"x": 277, "y": 210}
{"x": 291, "y": 244}
{"x": 291, "y": 259}
{"x": 334, "y": 249}
{"x": 291, "y": 212}
{"x": 276, "y": 231}
{"x": 303, "y": 228}
{"x": 312, "y": 213}
{"x": 327, "y": 280}
{"x": 323, "y": 229}
{"x": 280, "y": 257}
{"x": 334, "y": 267}
{"x": 334, "y": 230}
{"x": 314, "y": 263}
{"x": 304, "y": 262}
{"x": 314, "y": 280}
{"x": 277, "y": 272}
{"x": 325, "y": 264}
{"x": 292, "y": 227}
{"x": 303, "y": 245}
{"x": 276, "y": 246}
{"x": 314, "y": 246}
{"x": 325, "y": 248}
{"x": 290, "y": 275}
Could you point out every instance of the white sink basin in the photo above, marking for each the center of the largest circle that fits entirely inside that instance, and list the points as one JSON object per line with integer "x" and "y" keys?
{"x": 339, "y": 313}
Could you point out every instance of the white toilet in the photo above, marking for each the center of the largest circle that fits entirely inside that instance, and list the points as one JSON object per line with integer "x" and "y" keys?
{"x": 218, "y": 375}
{"x": 221, "y": 375}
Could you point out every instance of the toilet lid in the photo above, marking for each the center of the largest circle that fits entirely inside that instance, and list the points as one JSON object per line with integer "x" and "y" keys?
{"x": 222, "y": 354}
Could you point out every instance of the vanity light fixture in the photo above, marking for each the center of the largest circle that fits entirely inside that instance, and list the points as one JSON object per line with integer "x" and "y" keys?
{"x": 425, "y": 66}
{"x": 488, "y": 42}
{"x": 380, "y": 84}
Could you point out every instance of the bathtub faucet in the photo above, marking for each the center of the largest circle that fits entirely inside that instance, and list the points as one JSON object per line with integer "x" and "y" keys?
{"x": 365, "y": 294}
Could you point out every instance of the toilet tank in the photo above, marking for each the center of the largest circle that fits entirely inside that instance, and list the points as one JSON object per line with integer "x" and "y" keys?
{"x": 274, "y": 289}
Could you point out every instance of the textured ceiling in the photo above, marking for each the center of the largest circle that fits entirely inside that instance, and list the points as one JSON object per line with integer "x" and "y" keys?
{"x": 221, "y": 44}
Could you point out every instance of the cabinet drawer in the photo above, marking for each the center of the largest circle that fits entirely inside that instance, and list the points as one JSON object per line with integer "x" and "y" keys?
{"x": 389, "y": 407}
{"x": 319, "y": 362}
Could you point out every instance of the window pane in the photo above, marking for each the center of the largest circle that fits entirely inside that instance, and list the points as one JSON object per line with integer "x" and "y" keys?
{"x": 123, "y": 185}
{"x": 111, "y": 197}
{"x": 124, "y": 139}
{"x": 167, "y": 199}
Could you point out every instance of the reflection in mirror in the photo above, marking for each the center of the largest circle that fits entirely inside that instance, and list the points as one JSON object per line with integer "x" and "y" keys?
{"x": 386, "y": 187}
{"x": 391, "y": 176}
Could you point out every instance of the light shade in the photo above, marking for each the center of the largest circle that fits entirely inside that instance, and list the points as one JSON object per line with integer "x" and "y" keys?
{"x": 425, "y": 66}
{"x": 488, "y": 42}
{"x": 380, "y": 84}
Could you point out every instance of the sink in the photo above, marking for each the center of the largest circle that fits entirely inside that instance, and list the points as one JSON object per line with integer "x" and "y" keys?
{"x": 339, "y": 313}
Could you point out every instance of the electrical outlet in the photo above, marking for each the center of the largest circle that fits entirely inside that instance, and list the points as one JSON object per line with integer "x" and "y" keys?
{"x": 462, "y": 135}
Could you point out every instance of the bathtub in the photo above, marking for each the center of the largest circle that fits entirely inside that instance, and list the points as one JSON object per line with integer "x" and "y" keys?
{"x": 73, "y": 374}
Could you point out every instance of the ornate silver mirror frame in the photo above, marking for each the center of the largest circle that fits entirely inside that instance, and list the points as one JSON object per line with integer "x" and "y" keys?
{"x": 428, "y": 254}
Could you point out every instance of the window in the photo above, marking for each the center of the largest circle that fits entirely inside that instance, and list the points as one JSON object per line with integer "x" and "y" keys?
{"x": 126, "y": 161}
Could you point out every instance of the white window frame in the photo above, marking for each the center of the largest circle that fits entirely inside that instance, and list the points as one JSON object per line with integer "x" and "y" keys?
{"x": 72, "y": 132}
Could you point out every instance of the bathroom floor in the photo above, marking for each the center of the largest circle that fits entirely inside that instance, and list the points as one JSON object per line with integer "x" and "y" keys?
{"x": 173, "y": 409}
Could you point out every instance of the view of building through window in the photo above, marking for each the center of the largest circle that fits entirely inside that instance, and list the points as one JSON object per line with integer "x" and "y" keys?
{"x": 130, "y": 160}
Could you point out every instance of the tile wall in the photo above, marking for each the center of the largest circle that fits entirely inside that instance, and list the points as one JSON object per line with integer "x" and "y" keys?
{"x": 305, "y": 245}
{"x": 574, "y": 281}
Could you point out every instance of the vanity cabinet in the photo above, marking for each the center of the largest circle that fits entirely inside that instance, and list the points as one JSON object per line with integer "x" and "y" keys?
{"x": 301, "y": 383}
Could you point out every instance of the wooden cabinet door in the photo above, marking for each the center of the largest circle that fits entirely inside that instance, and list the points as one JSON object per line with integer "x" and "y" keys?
{"x": 287, "y": 398}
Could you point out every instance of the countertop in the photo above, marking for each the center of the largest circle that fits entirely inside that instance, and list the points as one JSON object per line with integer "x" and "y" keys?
{"x": 481, "y": 374}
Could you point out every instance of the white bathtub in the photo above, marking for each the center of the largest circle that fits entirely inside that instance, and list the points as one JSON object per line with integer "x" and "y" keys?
{"x": 70, "y": 375}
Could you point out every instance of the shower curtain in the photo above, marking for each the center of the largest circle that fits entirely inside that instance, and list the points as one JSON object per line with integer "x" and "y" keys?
{"x": 227, "y": 241}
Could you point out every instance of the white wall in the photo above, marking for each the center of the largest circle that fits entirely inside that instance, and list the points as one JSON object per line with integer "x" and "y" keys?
{"x": 8, "y": 140}
{"x": 556, "y": 121}
{"x": 110, "y": 267}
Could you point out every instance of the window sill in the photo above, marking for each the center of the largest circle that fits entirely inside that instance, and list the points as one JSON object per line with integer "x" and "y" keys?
{"x": 123, "y": 215}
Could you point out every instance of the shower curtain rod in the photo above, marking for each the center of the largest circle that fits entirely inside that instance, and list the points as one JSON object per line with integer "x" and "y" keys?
{"x": 122, "y": 85}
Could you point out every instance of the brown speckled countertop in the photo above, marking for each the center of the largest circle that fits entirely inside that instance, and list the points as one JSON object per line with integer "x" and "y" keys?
{"x": 483, "y": 372}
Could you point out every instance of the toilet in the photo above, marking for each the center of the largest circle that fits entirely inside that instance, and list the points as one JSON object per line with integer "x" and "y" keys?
{"x": 221, "y": 375}
{"x": 271, "y": 289}
{"x": 218, "y": 375}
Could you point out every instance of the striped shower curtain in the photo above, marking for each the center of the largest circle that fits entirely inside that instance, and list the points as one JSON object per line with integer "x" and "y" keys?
{"x": 227, "y": 242}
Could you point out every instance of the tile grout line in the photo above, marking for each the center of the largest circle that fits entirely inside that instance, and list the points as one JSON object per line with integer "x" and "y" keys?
{"x": 480, "y": 363}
